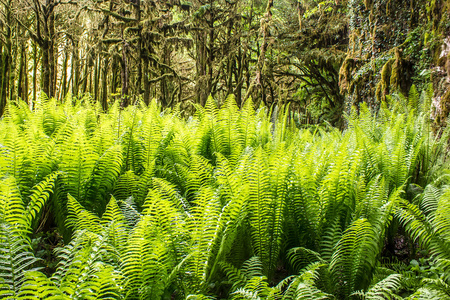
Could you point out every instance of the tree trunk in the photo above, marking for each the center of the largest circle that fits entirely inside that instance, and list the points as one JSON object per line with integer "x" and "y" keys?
{"x": 21, "y": 71}
{"x": 146, "y": 84}
{"x": 25, "y": 76}
{"x": 52, "y": 54}
{"x": 6, "y": 61}
{"x": 139, "y": 49}
{"x": 3, "y": 72}
{"x": 75, "y": 69}
{"x": 104, "y": 82}
{"x": 64, "y": 77}
{"x": 124, "y": 76}
{"x": 97, "y": 66}
{"x": 45, "y": 73}
{"x": 35, "y": 66}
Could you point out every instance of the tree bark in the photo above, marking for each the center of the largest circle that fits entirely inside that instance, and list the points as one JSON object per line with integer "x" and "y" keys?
{"x": 104, "y": 82}
{"x": 75, "y": 69}
{"x": 146, "y": 84}
{"x": 35, "y": 66}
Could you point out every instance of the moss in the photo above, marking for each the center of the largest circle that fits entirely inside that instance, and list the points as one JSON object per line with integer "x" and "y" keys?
{"x": 368, "y": 4}
{"x": 387, "y": 7}
{"x": 444, "y": 110}
{"x": 447, "y": 64}
{"x": 379, "y": 92}
{"x": 345, "y": 74}
{"x": 396, "y": 68}
{"x": 382, "y": 88}
{"x": 437, "y": 14}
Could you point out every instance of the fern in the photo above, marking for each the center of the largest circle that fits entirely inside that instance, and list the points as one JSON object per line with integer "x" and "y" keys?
{"x": 259, "y": 205}
{"x": 12, "y": 210}
{"x": 385, "y": 289}
{"x": 37, "y": 286}
{"x": 354, "y": 259}
{"x": 103, "y": 177}
{"x": 15, "y": 259}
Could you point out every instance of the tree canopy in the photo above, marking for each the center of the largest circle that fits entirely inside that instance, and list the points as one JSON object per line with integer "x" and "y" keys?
{"x": 320, "y": 56}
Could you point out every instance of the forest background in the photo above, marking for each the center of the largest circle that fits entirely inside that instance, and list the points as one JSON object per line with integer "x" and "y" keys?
{"x": 322, "y": 57}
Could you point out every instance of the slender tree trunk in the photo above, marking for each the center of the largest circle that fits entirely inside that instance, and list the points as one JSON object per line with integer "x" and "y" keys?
{"x": 104, "y": 83}
{"x": 84, "y": 79}
{"x": 3, "y": 77}
{"x": 35, "y": 66}
{"x": 124, "y": 75}
{"x": 45, "y": 73}
{"x": 12, "y": 62}
{"x": 75, "y": 69}
{"x": 146, "y": 83}
{"x": 25, "y": 96}
{"x": 201, "y": 88}
{"x": 6, "y": 61}
{"x": 52, "y": 55}
{"x": 97, "y": 66}
{"x": 114, "y": 79}
{"x": 90, "y": 82}
{"x": 21, "y": 71}
{"x": 64, "y": 76}
{"x": 262, "y": 51}
{"x": 139, "y": 48}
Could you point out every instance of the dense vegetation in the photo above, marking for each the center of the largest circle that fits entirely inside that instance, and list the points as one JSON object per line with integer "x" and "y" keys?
{"x": 141, "y": 203}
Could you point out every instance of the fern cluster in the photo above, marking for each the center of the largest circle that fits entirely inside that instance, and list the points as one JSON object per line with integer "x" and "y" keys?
{"x": 230, "y": 203}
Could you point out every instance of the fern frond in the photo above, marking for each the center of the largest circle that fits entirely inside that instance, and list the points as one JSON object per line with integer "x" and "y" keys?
{"x": 102, "y": 179}
{"x": 301, "y": 257}
{"x": 115, "y": 226}
{"x": 130, "y": 211}
{"x": 146, "y": 263}
{"x": 355, "y": 257}
{"x": 204, "y": 236}
{"x": 39, "y": 197}
{"x": 15, "y": 259}
{"x": 12, "y": 209}
{"x": 259, "y": 200}
{"x": 384, "y": 289}
{"x": 86, "y": 267}
{"x": 304, "y": 285}
{"x": 37, "y": 286}
{"x": 79, "y": 218}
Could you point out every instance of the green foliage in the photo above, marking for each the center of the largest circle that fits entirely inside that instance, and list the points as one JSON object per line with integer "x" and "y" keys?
{"x": 152, "y": 206}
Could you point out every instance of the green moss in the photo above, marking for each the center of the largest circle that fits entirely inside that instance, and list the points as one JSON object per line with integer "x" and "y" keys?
{"x": 382, "y": 88}
{"x": 444, "y": 109}
{"x": 379, "y": 92}
{"x": 345, "y": 74}
{"x": 396, "y": 68}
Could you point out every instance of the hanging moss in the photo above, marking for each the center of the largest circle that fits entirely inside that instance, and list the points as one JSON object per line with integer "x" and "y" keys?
{"x": 345, "y": 74}
{"x": 444, "y": 109}
{"x": 396, "y": 68}
{"x": 368, "y": 4}
{"x": 382, "y": 88}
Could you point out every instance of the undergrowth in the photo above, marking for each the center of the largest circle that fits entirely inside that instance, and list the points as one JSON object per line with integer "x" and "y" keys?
{"x": 228, "y": 204}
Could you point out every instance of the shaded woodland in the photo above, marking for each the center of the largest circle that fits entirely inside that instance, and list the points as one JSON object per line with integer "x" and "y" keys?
{"x": 320, "y": 56}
